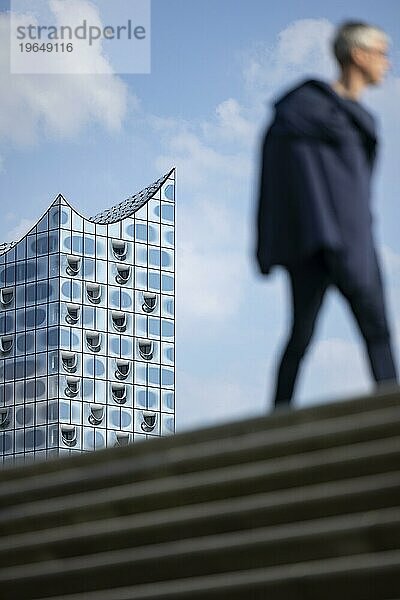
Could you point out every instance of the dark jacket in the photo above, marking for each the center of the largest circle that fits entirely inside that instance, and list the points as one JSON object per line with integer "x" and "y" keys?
{"x": 314, "y": 192}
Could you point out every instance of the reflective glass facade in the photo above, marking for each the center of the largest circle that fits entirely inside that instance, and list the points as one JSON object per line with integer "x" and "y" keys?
{"x": 87, "y": 328}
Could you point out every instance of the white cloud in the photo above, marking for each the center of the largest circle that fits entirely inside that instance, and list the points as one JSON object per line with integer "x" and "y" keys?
{"x": 20, "y": 229}
{"x": 58, "y": 106}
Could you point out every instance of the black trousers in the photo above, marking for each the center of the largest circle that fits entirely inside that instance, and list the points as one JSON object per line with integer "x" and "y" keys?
{"x": 309, "y": 282}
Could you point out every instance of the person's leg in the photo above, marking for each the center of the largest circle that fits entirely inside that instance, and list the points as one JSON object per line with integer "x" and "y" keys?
{"x": 368, "y": 306}
{"x": 308, "y": 285}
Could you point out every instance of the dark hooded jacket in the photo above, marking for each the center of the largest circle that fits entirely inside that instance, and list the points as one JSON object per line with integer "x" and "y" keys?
{"x": 317, "y": 158}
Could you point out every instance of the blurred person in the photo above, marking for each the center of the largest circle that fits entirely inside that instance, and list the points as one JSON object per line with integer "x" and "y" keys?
{"x": 314, "y": 215}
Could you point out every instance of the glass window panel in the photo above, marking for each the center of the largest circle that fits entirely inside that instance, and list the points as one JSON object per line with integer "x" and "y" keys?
{"x": 126, "y": 347}
{"x": 167, "y": 212}
{"x": 31, "y": 270}
{"x": 66, "y": 290}
{"x": 30, "y": 318}
{"x": 76, "y": 412}
{"x": 154, "y": 257}
{"x": 8, "y": 394}
{"x": 101, "y": 247}
{"x": 31, "y": 245}
{"x": 167, "y": 283}
{"x": 65, "y": 217}
{"x": 128, "y": 229}
{"x": 167, "y": 377}
{"x": 100, "y": 367}
{"x": 41, "y": 316}
{"x": 89, "y": 227}
{"x": 167, "y": 353}
{"x": 154, "y": 281}
{"x": 76, "y": 340}
{"x": 167, "y": 260}
{"x": 168, "y": 425}
{"x": 30, "y": 366}
{"x": 101, "y": 319}
{"x": 20, "y": 296}
{"x": 41, "y": 363}
{"x": 77, "y": 222}
{"x": 53, "y": 290}
{"x": 99, "y": 439}
{"x": 53, "y": 409}
{"x": 77, "y": 291}
{"x": 21, "y": 250}
{"x": 64, "y": 338}
{"x": 88, "y": 315}
{"x": 19, "y": 368}
{"x": 41, "y": 413}
{"x": 41, "y": 340}
{"x": 30, "y": 390}
{"x": 126, "y": 300}
{"x": 88, "y": 389}
{"x": 19, "y": 441}
{"x": 114, "y": 417}
{"x": 65, "y": 411}
{"x": 42, "y": 267}
{"x": 142, "y": 212}
{"x": 52, "y": 337}
{"x": 167, "y": 236}
{"x": 52, "y": 361}
{"x": 89, "y": 269}
{"x": 141, "y": 231}
{"x": 154, "y": 234}
{"x": 140, "y": 373}
{"x": 41, "y": 388}
{"x": 113, "y": 297}
{"x": 30, "y": 342}
{"x": 140, "y": 325}
{"x": 154, "y": 209}
{"x": 168, "y": 191}
{"x": 54, "y": 217}
{"x": 54, "y": 269}
{"x": 141, "y": 278}
{"x": 154, "y": 327}
{"x": 9, "y": 370}
{"x": 89, "y": 245}
{"x": 114, "y": 230}
{"x": 167, "y": 329}
{"x": 154, "y": 374}
{"x": 126, "y": 419}
{"x": 20, "y": 272}
{"x": 168, "y": 401}
{"x": 53, "y": 317}
{"x": 88, "y": 365}
{"x": 141, "y": 254}
{"x": 101, "y": 391}
{"x": 77, "y": 244}
{"x": 42, "y": 225}
{"x": 114, "y": 345}
{"x": 101, "y": 271}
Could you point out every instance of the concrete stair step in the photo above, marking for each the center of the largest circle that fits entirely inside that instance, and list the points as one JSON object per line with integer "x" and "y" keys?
{"x": 364, "y": 458}
{"x": 282, "y": 507}
{"x": 359, "y": 577}
{"x": 138, "y": 465}
{"x": 325, "y": 538}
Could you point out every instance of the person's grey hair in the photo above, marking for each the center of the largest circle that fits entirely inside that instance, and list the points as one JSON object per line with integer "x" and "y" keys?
{"x": 353, "y": 34}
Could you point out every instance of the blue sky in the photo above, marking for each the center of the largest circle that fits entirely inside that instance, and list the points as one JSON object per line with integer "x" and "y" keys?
{"x": 216, "y": 66}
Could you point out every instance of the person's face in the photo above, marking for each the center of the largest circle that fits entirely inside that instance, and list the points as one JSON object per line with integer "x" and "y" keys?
{"x": 372, "y": 61}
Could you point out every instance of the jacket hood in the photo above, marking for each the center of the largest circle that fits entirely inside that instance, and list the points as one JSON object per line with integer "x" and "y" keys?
{"x": 314, "y": 109}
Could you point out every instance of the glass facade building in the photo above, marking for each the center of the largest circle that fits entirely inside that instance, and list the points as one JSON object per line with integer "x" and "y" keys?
{"x": 87, "y": 328}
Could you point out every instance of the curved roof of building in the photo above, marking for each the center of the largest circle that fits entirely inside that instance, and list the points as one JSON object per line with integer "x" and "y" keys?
{"x": 128, "y": 207}
{"x": 120, "y": 211}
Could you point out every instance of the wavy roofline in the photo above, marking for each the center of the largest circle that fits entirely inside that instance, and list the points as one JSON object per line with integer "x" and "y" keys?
{"x": 115, "y": 213}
